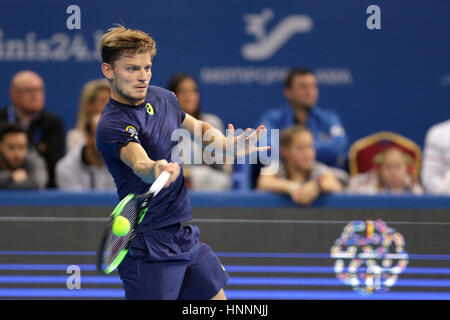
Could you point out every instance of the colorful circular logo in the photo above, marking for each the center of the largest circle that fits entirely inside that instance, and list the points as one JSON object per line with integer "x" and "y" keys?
{"x": 369, "y": 256}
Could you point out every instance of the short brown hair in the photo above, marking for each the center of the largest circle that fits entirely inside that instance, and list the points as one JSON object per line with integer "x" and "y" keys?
{"x": 288, "y": 134}
{"x": 120, "y": 40}
{"x": 297, "y": 71}
{"x": 7, "y": 128}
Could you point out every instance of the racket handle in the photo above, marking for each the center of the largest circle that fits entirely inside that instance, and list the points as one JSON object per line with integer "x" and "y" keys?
{"x": 159, "y": 183}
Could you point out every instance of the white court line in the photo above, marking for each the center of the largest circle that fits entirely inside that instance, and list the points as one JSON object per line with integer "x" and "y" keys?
{"x": 306, "y": 221}
{"x": 92, "y": 219}
{"x": 53, "y": 219}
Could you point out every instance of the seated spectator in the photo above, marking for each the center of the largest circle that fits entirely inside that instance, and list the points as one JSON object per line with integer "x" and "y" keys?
{"x": 21, "y": 167}
{"x": 436, "y": 159}
{"x": 45, "y": 130}
{"x": 302, "y": 93}
{"x": 198, "y": 177}
{"x": 83, "y": 167}
{"x": 94, "y": 96}
{"x": 299, "y": 174}
{"x": 390, "y": 175}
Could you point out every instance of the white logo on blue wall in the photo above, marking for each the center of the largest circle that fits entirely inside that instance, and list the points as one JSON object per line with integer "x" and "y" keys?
{"x": 267, "y": 44}
{"x": 369, "y": 256}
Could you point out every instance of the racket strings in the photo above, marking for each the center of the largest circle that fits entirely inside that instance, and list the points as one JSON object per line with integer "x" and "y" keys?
{"x": 115, "y": 244}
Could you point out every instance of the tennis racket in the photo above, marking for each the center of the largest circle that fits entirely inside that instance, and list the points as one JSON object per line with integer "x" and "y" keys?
{"x": 114, "y": 248}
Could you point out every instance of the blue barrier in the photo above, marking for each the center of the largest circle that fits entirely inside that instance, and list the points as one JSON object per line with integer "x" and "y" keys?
{"x": 249, "y": 199}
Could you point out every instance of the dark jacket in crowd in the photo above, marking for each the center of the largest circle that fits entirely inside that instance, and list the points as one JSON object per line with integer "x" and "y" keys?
{"x": 46, "y": 134}
{"x": 35, "y": 167}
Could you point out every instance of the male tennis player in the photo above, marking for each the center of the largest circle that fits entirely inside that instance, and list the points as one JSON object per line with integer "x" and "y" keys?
{"x": 165, "y": 259}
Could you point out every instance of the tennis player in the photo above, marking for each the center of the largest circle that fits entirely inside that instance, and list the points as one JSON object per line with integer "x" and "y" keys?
{"x": 165, "y": 260}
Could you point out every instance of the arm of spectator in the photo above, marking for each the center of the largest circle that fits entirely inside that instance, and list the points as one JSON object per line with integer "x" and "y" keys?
{"x": 17, "y": 180}
{"x": 329, "y": 183}
{"x": 334, "y": 150}
{"x": 303, "y": 194}
{"x": 6, "y": 179}
{"x": 36, "y": 169}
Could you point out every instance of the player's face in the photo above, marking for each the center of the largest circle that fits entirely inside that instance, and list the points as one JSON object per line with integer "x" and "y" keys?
{"x": 131, "y": 77}
{"x": 188, "y": 96}
{"x": 303, "y": 91}
{"x": 301, "y": 152}
{"x": 13, "y": 149}
{"x": 394, "y": 170}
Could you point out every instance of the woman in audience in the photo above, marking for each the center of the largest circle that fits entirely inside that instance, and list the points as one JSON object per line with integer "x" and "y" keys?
{"x": 199, "y": 176}
{"x": 298, "y": 174}
{"x": 94, "y": 96}
{"x": 390, "y": 175}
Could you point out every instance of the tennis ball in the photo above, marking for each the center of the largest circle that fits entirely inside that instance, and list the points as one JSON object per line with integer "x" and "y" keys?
{"x": 121, "y": 226}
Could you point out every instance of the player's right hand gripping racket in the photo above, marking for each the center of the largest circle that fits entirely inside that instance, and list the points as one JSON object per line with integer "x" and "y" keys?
{"x": 114, "y": 248}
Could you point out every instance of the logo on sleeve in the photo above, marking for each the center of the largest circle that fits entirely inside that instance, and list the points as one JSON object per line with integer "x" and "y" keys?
{"x": 132, "y": 131}
{"x": 150, "y": 109}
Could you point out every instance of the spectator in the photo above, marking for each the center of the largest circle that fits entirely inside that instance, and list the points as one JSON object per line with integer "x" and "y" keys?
{"x": 83, "y": 167}
{"x": 299, "y": 174}
{"x": 21, "y": 167}
{"x": 94, "y": 96}
{"x": 302, "y": 93}
{"x": 436, "y": 159}
{"x": 390, "y": 175}
{"x": 199, "y": 176}
{"x": 45, "y": 131}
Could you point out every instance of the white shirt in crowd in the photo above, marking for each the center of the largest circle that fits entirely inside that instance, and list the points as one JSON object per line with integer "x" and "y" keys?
{"x": 436, "y": 159}
{"x": 72, "y": 173}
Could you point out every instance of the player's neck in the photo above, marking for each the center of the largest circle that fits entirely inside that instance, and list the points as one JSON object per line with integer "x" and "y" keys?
{"x": 124, "y": 100}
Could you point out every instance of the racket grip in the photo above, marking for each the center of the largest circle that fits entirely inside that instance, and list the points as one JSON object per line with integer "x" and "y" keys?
{"x": 159, "y": 183}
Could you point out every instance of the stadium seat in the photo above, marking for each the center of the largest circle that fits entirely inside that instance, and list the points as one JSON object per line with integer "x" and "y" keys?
{"x": 363, "y": 152}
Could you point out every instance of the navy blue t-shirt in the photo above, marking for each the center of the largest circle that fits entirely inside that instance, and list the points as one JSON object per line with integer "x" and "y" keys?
{"x": 151, "y": 124}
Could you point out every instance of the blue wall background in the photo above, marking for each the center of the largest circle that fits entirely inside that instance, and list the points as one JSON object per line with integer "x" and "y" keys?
{"x": 396, "y": 78}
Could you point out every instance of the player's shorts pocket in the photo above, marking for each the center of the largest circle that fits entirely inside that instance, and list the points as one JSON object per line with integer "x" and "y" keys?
{"x": 171, "y": 243}
{"x": 138, "y": 248}
{"x": 129, "y": 269}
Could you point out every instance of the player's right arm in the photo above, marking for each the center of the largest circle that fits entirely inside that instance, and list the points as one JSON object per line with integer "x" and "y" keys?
{"x": 134, "y": 156}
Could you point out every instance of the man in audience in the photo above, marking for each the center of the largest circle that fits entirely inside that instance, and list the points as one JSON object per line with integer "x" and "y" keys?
{"x": 20, "y": 167}
{"x": 302, "y": 92}
{"x": 45, "y": 131}
{"x": 299, "y": 174}
{"x": 83, "y": 167}
{"x": 436, "y": 159}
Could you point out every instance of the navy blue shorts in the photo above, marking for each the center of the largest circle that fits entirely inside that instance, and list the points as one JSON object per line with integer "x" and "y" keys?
{"x": 169, "y": 264}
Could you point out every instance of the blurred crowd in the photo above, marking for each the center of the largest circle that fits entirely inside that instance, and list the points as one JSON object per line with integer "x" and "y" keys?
{"x": 314, "y": 152}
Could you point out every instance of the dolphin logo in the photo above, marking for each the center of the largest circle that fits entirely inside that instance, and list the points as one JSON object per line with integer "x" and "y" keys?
{"x": 268, "y": 44}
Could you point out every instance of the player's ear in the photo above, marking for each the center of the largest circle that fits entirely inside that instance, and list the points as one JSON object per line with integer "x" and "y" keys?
{"x": 107, "y": 70}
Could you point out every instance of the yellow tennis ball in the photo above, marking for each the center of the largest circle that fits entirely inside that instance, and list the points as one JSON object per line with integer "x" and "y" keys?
{"x": 121, "y": 226}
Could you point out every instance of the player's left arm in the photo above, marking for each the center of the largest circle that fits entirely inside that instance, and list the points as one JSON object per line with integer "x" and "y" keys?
{"x": 240, "y": 145}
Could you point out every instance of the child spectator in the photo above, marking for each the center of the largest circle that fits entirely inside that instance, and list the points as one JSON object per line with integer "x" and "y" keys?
{"x": 299, "y": 174}
{"x": 390, "y": 175}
